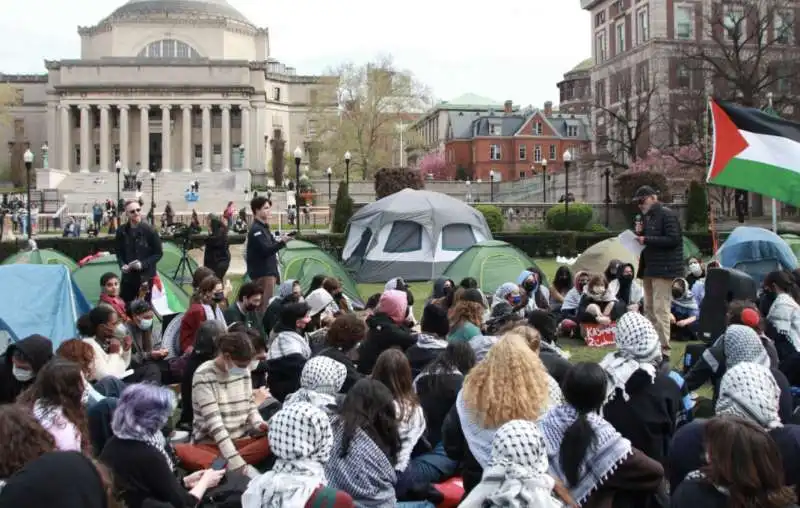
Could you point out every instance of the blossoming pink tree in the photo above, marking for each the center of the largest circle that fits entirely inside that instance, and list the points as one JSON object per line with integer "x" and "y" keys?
{"x": 434, "y": 164}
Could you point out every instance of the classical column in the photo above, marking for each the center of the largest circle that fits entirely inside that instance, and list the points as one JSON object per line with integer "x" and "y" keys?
{"x": 226, "y": 137}
{"x": 206, "y": 137}
{"x": 186, "y": 140}
{"x": 246, "y": 141}
{"x": 85, "y": 139}
{"x": 66, "y": 145}
{"x": 166, "y": 139}
{"x": 144, "y": 136}
{"x": 124, "y": 134}
{"x": 52, "y": 127}
{"x": 104, "y": 138}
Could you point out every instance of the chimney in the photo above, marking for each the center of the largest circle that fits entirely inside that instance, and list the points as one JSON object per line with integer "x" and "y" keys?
{"x": 508, "y": 107}
{"x": 548, "y": 109}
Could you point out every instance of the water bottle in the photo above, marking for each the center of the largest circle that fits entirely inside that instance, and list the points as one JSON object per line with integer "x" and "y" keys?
{"x": 637, "y": 224}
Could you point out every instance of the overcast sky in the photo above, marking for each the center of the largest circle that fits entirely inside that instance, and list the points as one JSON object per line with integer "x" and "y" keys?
{"x": 501, "y": 49}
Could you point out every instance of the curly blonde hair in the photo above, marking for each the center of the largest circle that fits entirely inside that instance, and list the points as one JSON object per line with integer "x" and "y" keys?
{"x": 509, "y": 384}
{"x": 466, "y": 311}
{"x": 531, "y": 336}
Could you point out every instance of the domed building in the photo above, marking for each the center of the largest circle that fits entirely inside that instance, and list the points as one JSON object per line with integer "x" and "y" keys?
{"x": 166, "y": 86}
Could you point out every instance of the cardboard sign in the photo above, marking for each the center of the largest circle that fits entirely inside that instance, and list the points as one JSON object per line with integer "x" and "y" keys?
{"x": 597, "y": 335}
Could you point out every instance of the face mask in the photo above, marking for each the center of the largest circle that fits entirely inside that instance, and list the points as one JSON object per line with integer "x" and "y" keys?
{"x": 218, "y": 297}
{"x": 146, "y": 324}
{"x": 627, "y": 277}
{"x": 250, "y": 307}
{"x": 337, "y": 296}
{"x": 695, "y": 269}
{"x": 238, "y": 371}
{"x": 516, "y": 300}
{"x": 120, "y": 331}
{"x": 21, "y": 375}
{"x": 677, "y": 293}
{"x": 529, "y": 285}
{"x": 598, "y": 291}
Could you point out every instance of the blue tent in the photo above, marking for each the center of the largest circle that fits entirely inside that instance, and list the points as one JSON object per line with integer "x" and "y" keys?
{"x": 43, "y": 300}
{"x": 756, "y": 251}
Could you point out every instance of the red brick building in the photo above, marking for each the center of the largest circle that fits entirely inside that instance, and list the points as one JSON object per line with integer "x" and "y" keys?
{"x": 513, "y": 144}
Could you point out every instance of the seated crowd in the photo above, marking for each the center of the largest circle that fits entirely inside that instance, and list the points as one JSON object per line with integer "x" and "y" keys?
{"x": 312, "y": 402}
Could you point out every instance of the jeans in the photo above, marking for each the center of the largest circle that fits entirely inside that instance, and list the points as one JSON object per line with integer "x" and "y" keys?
{"x": 415, "y": 504}
{"x": 424, "y": 470}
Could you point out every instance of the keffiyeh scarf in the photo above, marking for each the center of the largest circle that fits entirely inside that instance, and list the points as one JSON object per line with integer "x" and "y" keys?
{"x": 742, "y": 344}
{"x": 320, "y": 381}
{"x": 749, "y": 391}
{"x": 300, "y": 437}
{"x": 214, "y": 314}
{"x": 784, "y": 315}
{"x": 639, "y": 348}
{"x": 554, "y": 395}
{"x": 607, "y": 451}
{"x": 156, "y": 440}
{"x": 430, "y": 341}
{"x": 478, "y": 438}
{"x": 288, "y": 343}
{"x": 517, "y": 473}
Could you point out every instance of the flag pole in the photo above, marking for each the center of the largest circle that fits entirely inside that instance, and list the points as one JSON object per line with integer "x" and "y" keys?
{"x": 774, "y": 203}
{"x": 706, "y": 135}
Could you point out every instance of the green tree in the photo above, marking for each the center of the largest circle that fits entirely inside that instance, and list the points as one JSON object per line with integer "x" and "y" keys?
{"x": 493, "y": 216}
{"x": 697, "y": 207}
{"x": 391, "y": 180}
{"x": 343, "y": 210}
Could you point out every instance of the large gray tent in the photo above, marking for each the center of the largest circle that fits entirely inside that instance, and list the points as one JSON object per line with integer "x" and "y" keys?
{"x": 413, "y": 234}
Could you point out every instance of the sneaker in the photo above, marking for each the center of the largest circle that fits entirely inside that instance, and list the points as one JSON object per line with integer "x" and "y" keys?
{"x": 179, "y": 436}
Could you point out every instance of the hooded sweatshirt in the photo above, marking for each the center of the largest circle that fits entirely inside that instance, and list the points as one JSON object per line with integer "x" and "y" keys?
{"x": 37, "y": 350}
{"x": 573, "y": 296}
{"x": 386, "y": 330}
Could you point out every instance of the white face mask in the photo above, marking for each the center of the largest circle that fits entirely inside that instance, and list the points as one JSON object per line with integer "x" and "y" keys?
{"x": 695, "y": 269}
{"x": 120, "y": 331}
{"x": 146, "y": 324}
{"x": 21, "y": 375}
{"x": 598, "y": 290}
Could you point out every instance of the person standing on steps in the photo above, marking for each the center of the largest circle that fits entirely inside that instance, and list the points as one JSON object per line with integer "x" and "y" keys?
{"x": 138, "y": 251}
{"x": 261, "y": 255}
{"x": 661, "y": 261}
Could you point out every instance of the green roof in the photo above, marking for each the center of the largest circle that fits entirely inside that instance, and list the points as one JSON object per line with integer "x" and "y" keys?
{"x": 583, "y": 66}
{"x": 470, "y": 99}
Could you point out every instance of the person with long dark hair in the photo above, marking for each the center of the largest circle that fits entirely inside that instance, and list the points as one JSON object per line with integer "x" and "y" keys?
{"x": 779, "y": 302}
{"x": 744, "y": 470}
{"x": 627, "y": 291}
{"x": 559, "y": 287}
{"x": 366, "y": 442}
{"x": 344, "y": 334}
{"x": 206, "y": 305}
{"x": 587, "y": 454}
{"x": 217, "y": 253}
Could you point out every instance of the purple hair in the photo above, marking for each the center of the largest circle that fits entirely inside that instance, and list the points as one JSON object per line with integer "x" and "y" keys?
{"x": 143, "y": 410}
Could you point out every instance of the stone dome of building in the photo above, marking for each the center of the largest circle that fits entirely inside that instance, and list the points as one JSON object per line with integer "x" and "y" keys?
{"x": 179, "y": 8}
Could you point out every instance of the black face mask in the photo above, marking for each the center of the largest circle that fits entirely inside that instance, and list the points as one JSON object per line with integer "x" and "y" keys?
{"x": 338, "y": 296}
{"x": 410, "y": 298}
{"x": 766, "y": 300}
{"x": 529, "y": 286}
{"x": 626, "y": 278}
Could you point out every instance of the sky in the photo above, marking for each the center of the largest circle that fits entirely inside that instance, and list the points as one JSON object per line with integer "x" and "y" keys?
{"x": 501, "y": 49}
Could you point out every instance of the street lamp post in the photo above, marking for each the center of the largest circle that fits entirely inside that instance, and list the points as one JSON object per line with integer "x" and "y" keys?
{"x": 298, "y": 156}
{"x": 469, "y": 191}
{"x": 27, "y": 157}
{"x": 567, "y": 162}
{"x": 118, "y": 167}
{"x": 45, "y": 158}
{"x": 491, "y": 186}
{"x": 607, "y": 175}
{"x": 544, "y": 180}
{"x": 347, "y": 169}
{"x": 153, "y": 197}
{"x": 329, "y": 172}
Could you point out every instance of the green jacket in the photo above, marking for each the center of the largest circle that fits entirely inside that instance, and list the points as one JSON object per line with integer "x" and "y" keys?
{"x": 252, "y": 319}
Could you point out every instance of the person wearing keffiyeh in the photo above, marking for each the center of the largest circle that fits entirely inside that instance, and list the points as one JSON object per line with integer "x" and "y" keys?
{"x": 301, "y": 439}
{"x": 320, "y": 381}
{"x": 684, "y": 311}
{"x": 517, "y": 473}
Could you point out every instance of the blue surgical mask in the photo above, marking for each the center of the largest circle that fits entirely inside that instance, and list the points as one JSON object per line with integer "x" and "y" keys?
{"x": 516, "y": 299}
{"x": 146, "y": 324}
{"x": 238, "y": 371}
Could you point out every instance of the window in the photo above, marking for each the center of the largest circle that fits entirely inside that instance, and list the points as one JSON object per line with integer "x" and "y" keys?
{"x": 572, "y": 131}
{"x": 361, "y": 248}
{"x": 734, "y": 23}
{"x": 537, "y": 129}
{"x": 600, "y": 92}
{"x": 236, "y": 118}
{"x": 685, "y": 134}
{"x": 198, "y": 151}
{"x": 276, "y": 94}
{"x": 642, "y": 78}
{"x": 77, "y": 151}
{"x": 683, "y": 21}
{"x": 495, "y": 129}
{"x": 552, "y": 154}
{"x": 457, "y": 237}
{"x": 523, "y": 152}
{"x": 197, "y": 119}
{"x": 537, "y": 153}
{"x": 216, "y": 118}
{"x": 600, "y": 47}
{"x": 783, "y": 27}
{"x": 494, "y": 152}
{"x": 599, "y": 18}
{"x": 405, "y": 236}
{"x": 217, "y": 149}
{"x": 684, "y": 76}
{"x": 620, "y": 37}
{"x": 642, "y": 25}
{"x": 116, "y": 153}
{"x": 168, "y": 48}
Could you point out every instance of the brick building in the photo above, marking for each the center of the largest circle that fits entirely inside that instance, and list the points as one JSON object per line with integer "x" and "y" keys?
{"x": 513, "y": 143}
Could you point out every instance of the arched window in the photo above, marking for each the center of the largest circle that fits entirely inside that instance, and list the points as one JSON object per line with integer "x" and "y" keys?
{"x": 169, "y": 48}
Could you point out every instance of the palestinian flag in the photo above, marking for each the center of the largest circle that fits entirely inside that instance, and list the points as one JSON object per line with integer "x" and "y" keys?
{"x": 163, "y": 300}
{"x": 755, "y": 151}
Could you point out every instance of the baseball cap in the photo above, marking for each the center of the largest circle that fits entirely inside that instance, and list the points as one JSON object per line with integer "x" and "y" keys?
{"x": 643, "y": 192}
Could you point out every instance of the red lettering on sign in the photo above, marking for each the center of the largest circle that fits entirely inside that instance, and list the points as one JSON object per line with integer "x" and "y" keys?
{"x": 599, "y": 335}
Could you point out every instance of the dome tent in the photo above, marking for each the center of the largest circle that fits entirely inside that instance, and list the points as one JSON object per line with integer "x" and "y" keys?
{"x": 492, "y": 263}
{"x": 303, "y": 260}
{"x": 413, "y": 234}
{"x": 756, "y": 252}
{"x": 41, "y": 257}
{"x": 595, "y": 259}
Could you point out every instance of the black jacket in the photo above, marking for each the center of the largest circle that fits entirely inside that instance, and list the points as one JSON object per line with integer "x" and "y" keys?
{"x": 353, "y": 375}
{"x": 37, "y": 351}
{"x": 262, "y": 252}
{"x": 217, "y": 255}
{"x": 437, "y": 394}
{"x": 663, "y": 244}
{"x": 283, "y": 373}
{"x": 383, "y": 334}
{"x": 556, "y": 365}
{"x": 419, "y": 357}
{"x": 140, "y": 243}
{"x": 457, "y": 448}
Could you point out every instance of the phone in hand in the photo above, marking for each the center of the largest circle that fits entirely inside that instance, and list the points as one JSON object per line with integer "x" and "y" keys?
{"x": 291, "y": 233}
{"x": 219, "y": 464}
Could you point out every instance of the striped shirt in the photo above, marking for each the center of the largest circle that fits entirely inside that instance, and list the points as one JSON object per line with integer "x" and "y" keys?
{"x": 224, "y": 409}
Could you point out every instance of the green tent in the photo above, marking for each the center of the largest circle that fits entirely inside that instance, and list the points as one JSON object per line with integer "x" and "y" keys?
{"x": 169, "y": 262}
{"x": 87, "y": 277}
{"x": 492, "y": 263}
{"x": 41, "y": 257}
{"x": 794, "y": 243}
{"x": 303, "y": 260}
{"x": 595, "y": 259}
{"x": 690, "y": 249}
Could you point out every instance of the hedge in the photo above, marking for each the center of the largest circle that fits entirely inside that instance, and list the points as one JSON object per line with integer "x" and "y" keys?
{"x": 544, "y": 244}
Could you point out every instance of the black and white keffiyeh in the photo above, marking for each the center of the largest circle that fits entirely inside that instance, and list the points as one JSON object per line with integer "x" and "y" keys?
{"x": 320, "y": 381}
{"x": 749, "y": 391}
{"x": 288, "y": 343}
{"x": 638, "y": 348}
{"x": 742, "y": 344}
{"x": 300, "y": 437}
{"x": 555, "y": 397}
{"x": 517, "y": 475}
{"x": 784, "y": 315}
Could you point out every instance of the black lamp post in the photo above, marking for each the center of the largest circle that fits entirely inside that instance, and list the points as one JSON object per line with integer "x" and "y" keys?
{"x": 27, "y": 157}
{"x": 491, "y": 186}
{"x": 347, "y": 169}
{"x": 118, "y": 167}
{"x": 544, "y": 180}
{"x": 567, "y": 162}
{"x": 329, "y": 172}
{"x": 607, "y": 175}
{"x": 153, "y": 197}
{"x": 298, "y": 156}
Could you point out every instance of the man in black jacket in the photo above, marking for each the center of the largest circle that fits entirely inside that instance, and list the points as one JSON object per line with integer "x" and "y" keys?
{"x": 138, "y": 252}
{"x": 661, "y": 260}
{"x": 262, "y": 250}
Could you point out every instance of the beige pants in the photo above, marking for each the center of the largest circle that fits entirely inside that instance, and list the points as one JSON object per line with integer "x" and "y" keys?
{"x": 268, "y": 285}
{"x": 657, "y": 302}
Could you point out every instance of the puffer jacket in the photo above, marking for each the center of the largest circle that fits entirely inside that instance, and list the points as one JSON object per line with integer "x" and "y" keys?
{"x": 662, "y": 256}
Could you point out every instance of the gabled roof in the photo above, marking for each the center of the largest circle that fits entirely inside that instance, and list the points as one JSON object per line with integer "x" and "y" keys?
{"x": 561, "y": 121}
{"x": 467, "y": 125}
{"x": 534, "y": 113}
{"x": 509, "y": 124}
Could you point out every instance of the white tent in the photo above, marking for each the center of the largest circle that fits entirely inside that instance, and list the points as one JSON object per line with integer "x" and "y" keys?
{"x": 413, "y": 234}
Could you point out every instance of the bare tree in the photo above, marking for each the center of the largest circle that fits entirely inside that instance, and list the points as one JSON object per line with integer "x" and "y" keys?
{"x": 372, "y": 101}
